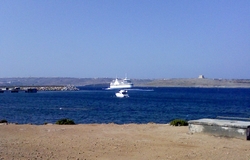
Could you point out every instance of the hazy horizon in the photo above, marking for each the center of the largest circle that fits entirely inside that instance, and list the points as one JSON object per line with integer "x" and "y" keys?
{"x": 142, "y": 39}
{"x": 131, "y": 78}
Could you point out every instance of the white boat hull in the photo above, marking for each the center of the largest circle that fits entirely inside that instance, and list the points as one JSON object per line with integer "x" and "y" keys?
{"x": 122, "y": 94}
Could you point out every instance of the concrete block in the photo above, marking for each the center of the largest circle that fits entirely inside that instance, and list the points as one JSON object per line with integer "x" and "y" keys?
{"x": 219, "y": 127}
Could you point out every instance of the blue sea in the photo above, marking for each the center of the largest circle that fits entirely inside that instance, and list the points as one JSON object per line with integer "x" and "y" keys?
{"x": 145, "y": 105}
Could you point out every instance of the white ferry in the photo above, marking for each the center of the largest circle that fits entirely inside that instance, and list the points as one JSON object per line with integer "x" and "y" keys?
{"x": 121, "y": 83}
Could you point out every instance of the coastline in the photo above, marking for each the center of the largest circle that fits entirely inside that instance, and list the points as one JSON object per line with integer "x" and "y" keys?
{"x": 104, "y": 82}
{"x": 113, "y": 141}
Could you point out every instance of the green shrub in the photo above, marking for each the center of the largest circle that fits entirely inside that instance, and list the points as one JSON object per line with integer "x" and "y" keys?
{"x": 65, "y": 121}
{"x": 3, "y": 121}
{"x": 178, "y": 122}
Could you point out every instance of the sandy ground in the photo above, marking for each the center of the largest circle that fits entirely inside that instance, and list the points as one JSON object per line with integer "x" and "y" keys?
{"x": 116, "y": 142}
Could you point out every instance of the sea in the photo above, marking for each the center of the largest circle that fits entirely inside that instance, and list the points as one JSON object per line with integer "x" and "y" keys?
{"x": 144, "y": 105}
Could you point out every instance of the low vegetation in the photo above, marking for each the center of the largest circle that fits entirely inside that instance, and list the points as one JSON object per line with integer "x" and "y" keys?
{"x": 178, "y": 122}
{"x": 65, "y": 122}
{"x": 3, "y": 121}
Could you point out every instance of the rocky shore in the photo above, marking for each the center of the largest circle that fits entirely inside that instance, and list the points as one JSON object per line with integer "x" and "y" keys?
{"x": 40, "y": 88}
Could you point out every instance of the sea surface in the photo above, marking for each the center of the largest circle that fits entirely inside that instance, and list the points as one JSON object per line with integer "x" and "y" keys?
{"x": 145, "y": 105}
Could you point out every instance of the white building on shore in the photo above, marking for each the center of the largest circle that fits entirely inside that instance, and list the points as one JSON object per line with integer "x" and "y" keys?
{"x": 201, "y": 76}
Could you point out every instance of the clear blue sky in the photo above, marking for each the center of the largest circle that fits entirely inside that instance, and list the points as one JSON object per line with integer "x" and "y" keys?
{"x": 111, "y": 38}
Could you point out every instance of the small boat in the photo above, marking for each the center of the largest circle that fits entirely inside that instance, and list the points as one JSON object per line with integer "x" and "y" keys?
{"x": 121, "y": 83}
{"x": 31, "y": 90}
{"x": 15, "y": 90}
{"x": 122, "y": 94}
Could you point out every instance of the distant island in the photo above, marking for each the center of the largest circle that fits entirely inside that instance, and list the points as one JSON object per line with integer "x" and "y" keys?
{"x": 104, "y": 82}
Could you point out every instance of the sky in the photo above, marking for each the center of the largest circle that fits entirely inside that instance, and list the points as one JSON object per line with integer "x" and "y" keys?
{"x": 117, "y": 38}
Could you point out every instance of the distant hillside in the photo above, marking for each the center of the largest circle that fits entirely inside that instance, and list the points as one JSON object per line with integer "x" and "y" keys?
{"x": 52, "y": 81}
{"x": 104, "y": 82}
{"x": 196, "y": 82}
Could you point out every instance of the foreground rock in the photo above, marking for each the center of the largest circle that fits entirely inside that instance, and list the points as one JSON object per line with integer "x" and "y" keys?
{"x": 111, "y": 141}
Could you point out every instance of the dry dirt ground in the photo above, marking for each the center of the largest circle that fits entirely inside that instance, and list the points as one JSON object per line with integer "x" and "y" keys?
{"x": 116, "y": 142}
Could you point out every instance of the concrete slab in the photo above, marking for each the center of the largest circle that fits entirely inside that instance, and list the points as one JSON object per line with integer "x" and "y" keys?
{"x": 219, "y": 127}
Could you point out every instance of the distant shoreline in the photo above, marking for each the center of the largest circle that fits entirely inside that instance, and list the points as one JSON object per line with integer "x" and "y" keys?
{"x": 104, "y": 82}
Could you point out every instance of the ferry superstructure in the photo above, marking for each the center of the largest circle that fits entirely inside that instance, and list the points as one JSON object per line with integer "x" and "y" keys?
{"x": 121, "y": 83}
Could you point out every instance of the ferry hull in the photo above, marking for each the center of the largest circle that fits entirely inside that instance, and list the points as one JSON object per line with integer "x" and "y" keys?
{"x": 121, "y": 86}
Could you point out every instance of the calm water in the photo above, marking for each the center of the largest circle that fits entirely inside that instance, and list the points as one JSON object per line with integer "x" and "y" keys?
{"x": 158, "y": 105}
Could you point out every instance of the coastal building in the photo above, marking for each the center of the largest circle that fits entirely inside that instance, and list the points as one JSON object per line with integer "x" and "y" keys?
{"x": 201, "y": 76}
